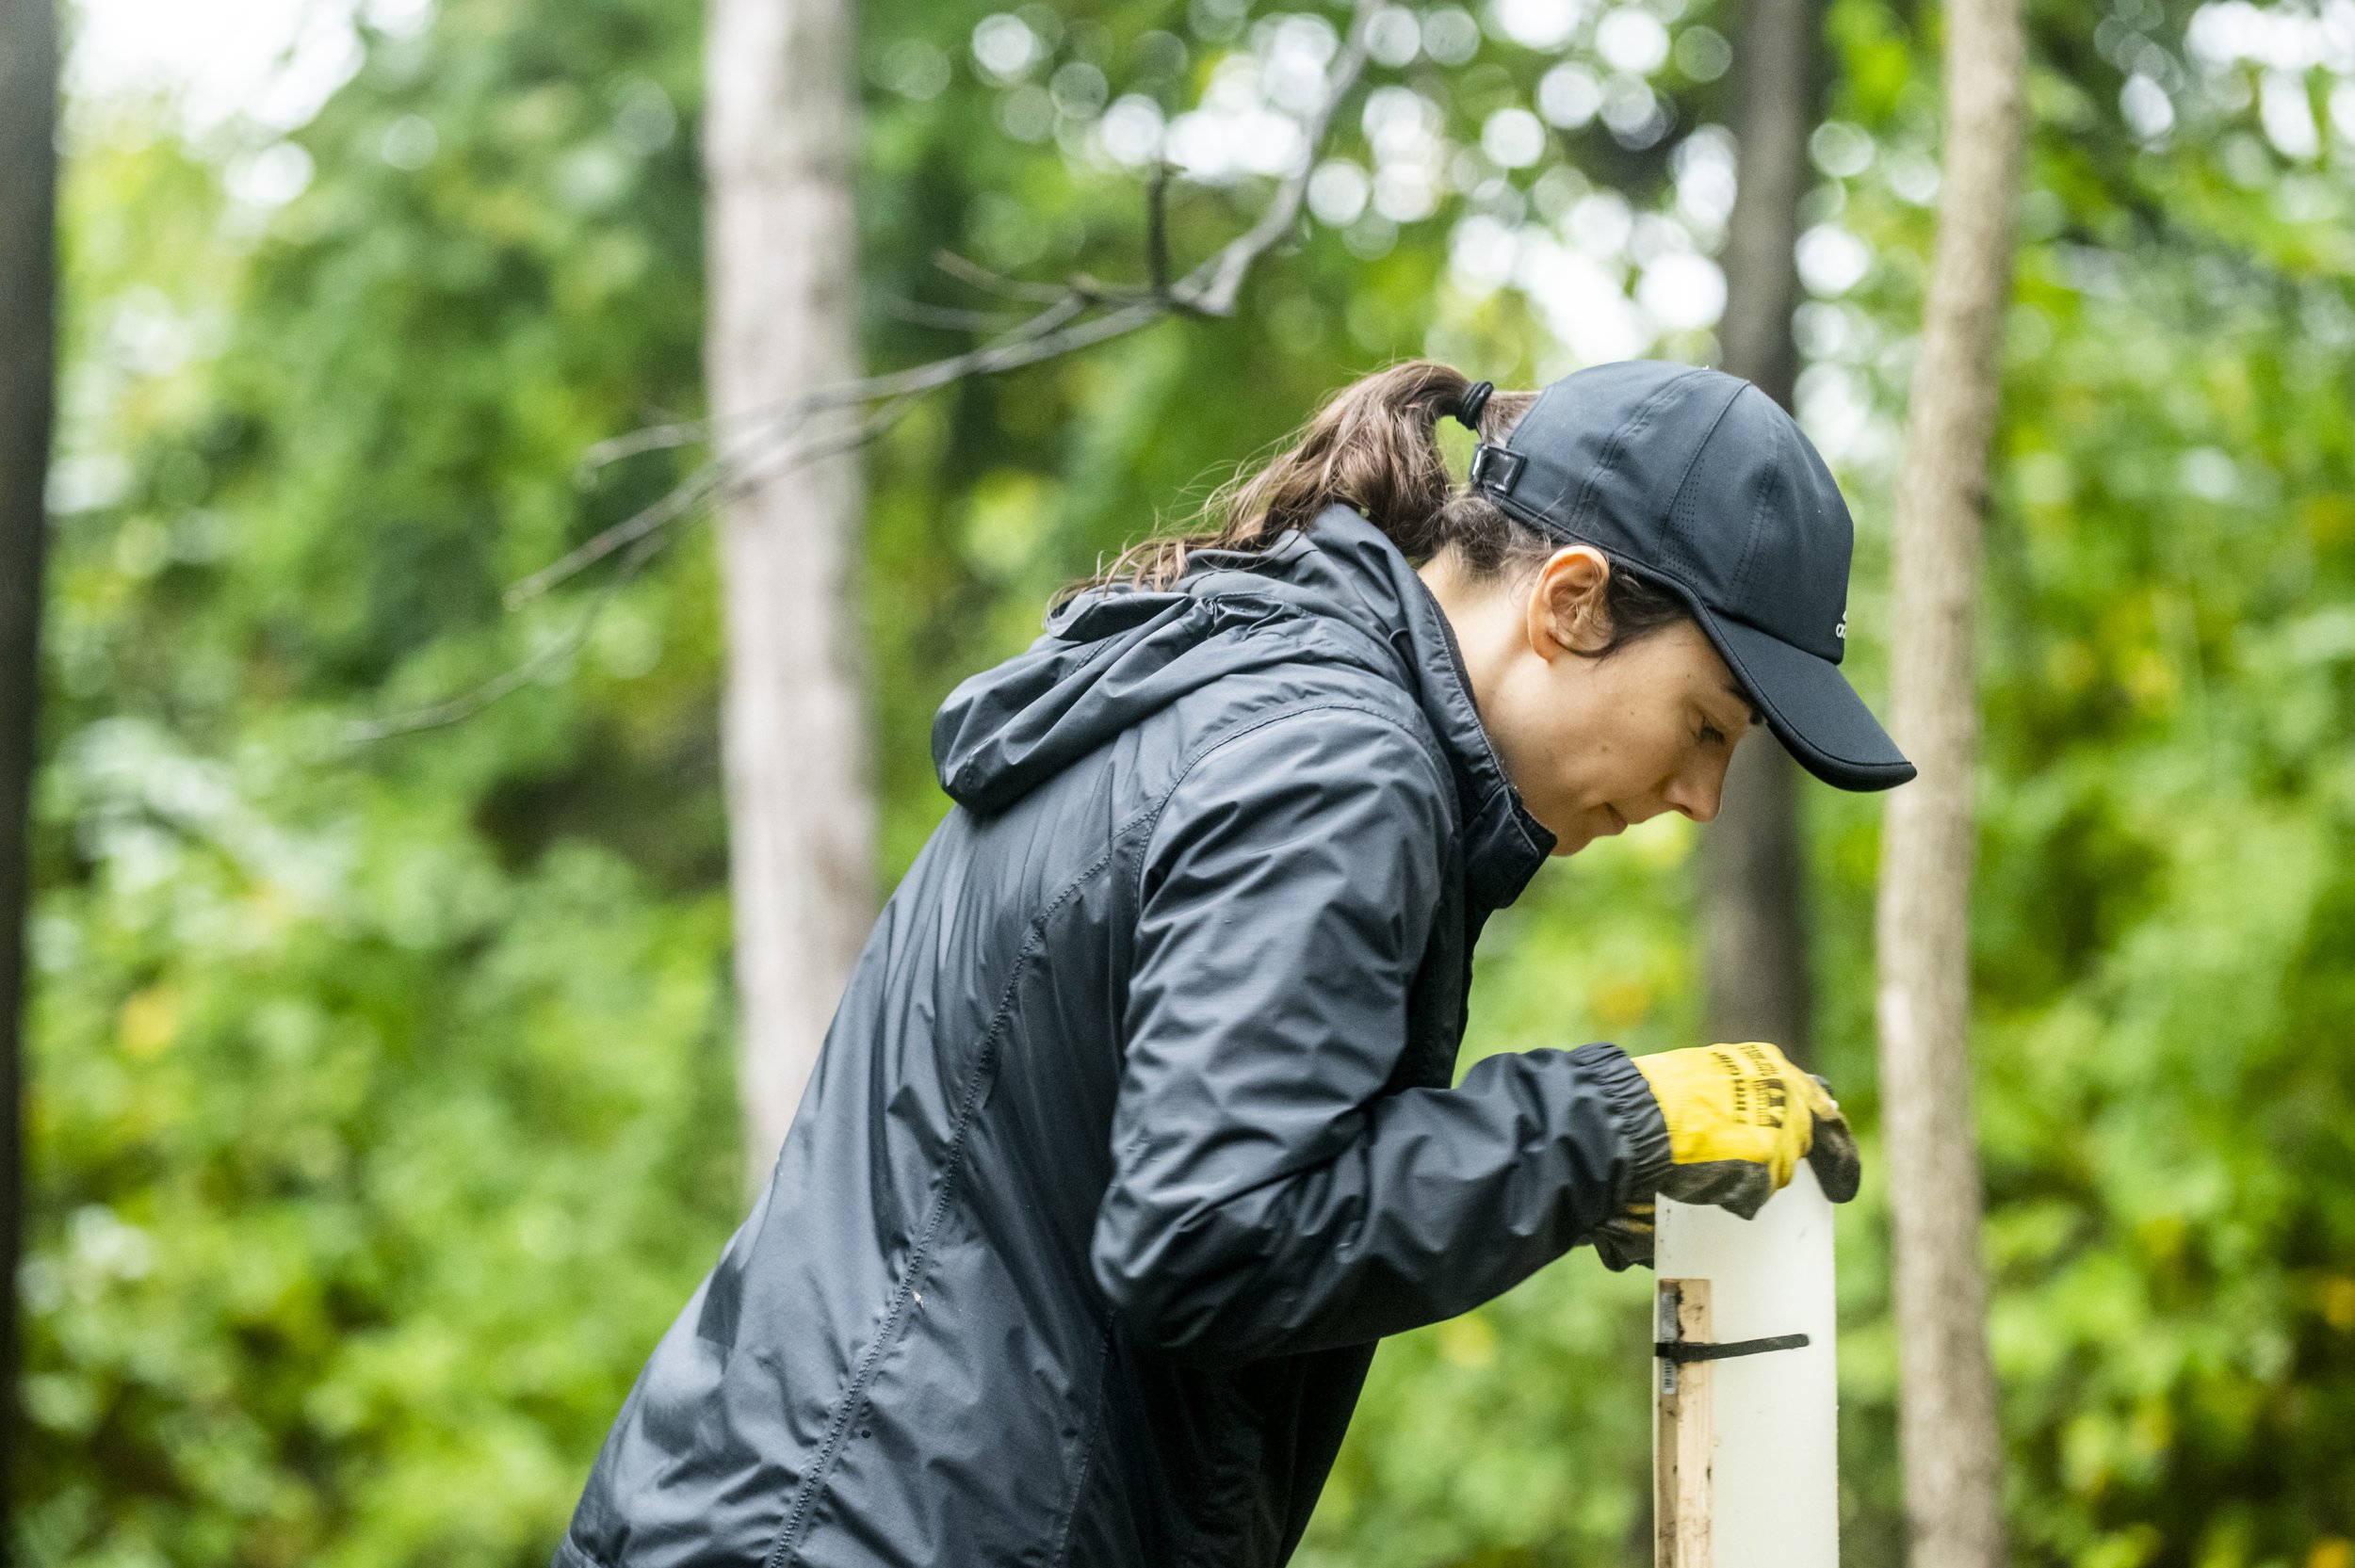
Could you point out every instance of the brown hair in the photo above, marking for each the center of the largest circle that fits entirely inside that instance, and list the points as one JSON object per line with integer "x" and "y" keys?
{"x": 1373, "y": 446}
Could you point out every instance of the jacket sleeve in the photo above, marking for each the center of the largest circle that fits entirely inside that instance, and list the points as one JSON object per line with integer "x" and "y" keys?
{"x": 1267, "y": 1197}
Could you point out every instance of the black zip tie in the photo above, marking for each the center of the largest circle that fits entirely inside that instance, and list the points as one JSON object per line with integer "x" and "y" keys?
{"x": 1682, "y": 1350}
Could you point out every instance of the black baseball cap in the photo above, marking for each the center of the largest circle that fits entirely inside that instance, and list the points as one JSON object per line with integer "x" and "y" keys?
{"x": 1700, "y": 482}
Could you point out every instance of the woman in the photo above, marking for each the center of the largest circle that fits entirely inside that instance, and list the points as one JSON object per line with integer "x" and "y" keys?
{"x": 1135, "y": 1129}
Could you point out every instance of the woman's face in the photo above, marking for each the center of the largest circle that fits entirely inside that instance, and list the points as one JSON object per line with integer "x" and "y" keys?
{"x": 1592, "y": 741}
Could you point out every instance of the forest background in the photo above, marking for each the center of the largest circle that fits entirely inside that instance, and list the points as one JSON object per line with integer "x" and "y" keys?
{"x": 381, "y": 1100}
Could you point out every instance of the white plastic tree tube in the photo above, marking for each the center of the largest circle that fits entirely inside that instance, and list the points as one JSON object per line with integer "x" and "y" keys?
{"x": 1745, "y": 1451}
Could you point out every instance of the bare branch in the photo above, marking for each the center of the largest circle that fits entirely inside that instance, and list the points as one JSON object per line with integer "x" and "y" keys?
{"x": 968, "y": 271}
{"x": 1212, "y": 288}
{"x": 641, "y": 539}
{"x": 690, "y": 496}
{"x": 760, "y": 422}
{"x": 713, "y": 483}
{"x": 1046, "y": 337}
{"x": 949, "y": 317}
{"x": 507, "y": 683}
{"x": 758, "y": 444}
{"x": 653, "y": 438}
{"x": 1157, "y": 229}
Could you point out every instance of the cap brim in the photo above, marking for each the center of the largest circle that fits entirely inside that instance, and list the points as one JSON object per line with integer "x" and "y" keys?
{"x": 1811, "y": 707}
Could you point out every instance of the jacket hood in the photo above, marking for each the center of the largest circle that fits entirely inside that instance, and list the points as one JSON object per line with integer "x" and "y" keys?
{"x": 1334, "y": 591}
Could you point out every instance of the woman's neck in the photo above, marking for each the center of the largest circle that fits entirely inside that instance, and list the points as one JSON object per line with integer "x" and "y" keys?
{"x": 1478, "y": 613}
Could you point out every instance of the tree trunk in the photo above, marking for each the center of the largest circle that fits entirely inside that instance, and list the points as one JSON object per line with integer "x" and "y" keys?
{"x": 780, "y": 151}
{"x": 1754, "y": 924}
{"x": 1951, "y": 1445}
{"x": 28, "y": 298}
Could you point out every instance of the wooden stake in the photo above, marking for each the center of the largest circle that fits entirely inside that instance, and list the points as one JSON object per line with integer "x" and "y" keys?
{"x": 1682, "y": 1432}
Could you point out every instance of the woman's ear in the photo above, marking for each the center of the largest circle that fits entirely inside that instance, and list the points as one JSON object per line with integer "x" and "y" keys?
{"x": 1566, "y": 612}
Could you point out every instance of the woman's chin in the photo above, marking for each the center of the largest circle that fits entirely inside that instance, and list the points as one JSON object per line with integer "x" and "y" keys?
{"x": 1572, "y": 842}
{"x": 1591, "y": 823}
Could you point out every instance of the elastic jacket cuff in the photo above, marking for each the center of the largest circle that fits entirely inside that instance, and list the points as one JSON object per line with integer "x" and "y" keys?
{"x": 1642, "y": 1130}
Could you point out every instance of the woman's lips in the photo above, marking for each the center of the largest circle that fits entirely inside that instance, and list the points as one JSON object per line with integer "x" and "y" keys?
{"x": 1618, "y": 823}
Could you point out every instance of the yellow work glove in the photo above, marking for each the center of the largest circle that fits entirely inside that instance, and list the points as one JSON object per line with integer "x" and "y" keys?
{"x": 1740, "y": 1119}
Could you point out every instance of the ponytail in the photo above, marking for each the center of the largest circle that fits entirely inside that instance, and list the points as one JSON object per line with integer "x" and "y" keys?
{"x": 1373, "y": 447}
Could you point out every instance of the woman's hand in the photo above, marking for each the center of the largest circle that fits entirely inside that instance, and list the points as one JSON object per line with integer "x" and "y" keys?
{"x": 1740, "y": 1119}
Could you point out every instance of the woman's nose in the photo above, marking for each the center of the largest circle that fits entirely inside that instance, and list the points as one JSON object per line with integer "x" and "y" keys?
{"x": 1696, "y": 792}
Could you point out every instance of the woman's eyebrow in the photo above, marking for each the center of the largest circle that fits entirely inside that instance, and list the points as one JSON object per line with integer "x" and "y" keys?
{"x": 1733, "y": 689}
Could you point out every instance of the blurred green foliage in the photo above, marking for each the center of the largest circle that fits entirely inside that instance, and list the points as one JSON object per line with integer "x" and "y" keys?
{"x": 384, "y": 1095}
{"x": 382, "y": 1108}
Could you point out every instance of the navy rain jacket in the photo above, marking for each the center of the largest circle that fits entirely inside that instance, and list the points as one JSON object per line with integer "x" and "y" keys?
{"x": 1135, "y": 1129}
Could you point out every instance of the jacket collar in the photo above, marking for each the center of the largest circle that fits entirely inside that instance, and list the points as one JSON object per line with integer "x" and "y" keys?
{"x": 1503, "y": 845}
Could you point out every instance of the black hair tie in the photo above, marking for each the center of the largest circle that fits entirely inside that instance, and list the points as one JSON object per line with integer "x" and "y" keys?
{"x": 1474, "y": 399}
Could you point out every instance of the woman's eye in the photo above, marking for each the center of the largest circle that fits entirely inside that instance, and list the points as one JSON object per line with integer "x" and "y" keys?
{"x": 1712, "y": 735}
